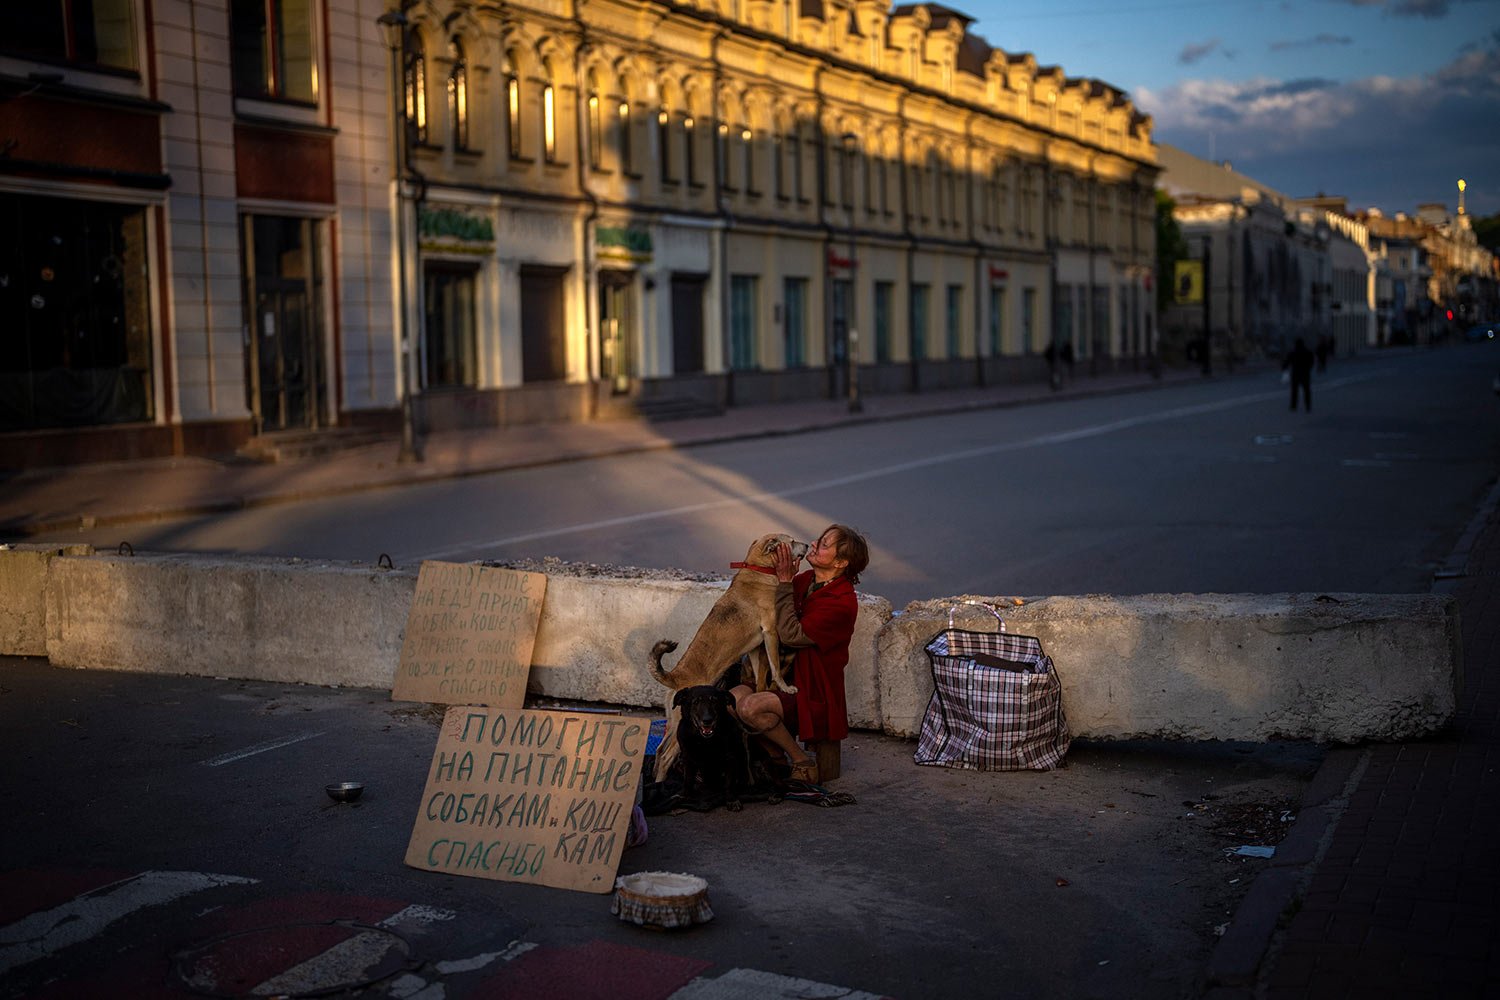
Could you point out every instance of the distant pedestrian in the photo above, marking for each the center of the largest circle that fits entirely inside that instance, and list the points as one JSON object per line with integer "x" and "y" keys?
{"x": 1052, "y": 374}
{"x": 1067, "y": 356}
{"x": 1325, "y": 348}
{"x": 1299, "y": 362}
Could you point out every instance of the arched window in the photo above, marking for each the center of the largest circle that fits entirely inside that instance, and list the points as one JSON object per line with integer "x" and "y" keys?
{"x": 747, "y": 151}
{"x": 458, "y": 95}
{"x": 664, "y": 142}
{"x": 549, "y": 123}
{"x": 416, "y": 86}
{"x": 512, "y": 106}
{"x": 627, "y": 154}
{"x": 596, "y": 123}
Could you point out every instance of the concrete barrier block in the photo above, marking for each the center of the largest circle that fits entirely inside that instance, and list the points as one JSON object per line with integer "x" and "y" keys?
{"x": 271, "y": 619}
{"x": 23, "y": 595}
{"x": 595, "y": 637}
{"x": 1329, "y": 668}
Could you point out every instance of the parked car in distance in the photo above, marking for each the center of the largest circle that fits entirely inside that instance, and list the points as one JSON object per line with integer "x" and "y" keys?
{"x": 1482, "y": 331}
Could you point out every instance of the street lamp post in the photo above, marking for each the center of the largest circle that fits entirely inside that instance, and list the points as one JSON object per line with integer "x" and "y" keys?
{"x": 393, "y": 24}
{"x": 855, "y": 406}
{"x": 1208, "y": 316}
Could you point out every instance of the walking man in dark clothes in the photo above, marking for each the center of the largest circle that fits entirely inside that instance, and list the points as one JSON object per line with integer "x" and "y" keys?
{"x": 1299, "y": 361}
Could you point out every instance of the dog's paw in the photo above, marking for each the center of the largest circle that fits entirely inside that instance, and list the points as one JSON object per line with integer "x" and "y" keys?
{"x": 788, "y": 688}
{"x": 734, "y": 805}
{"x": 663, "y": 648}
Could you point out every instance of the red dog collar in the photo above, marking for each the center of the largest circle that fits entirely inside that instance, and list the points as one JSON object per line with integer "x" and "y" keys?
{"x": 759, "y": 569}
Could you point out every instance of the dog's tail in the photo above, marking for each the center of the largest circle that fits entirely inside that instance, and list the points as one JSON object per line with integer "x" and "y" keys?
{"x": 657, "y": 652}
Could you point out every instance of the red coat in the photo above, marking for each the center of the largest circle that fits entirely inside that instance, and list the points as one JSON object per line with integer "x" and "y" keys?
{"x": 827, "y": 618}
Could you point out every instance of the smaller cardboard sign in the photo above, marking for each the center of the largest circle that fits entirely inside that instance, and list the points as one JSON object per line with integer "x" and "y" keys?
{"x": 469, "y": 635}
{"x": 521, "y": 795}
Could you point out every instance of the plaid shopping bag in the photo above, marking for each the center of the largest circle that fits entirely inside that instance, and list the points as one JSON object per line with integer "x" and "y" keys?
{"x": 996, "y": 703}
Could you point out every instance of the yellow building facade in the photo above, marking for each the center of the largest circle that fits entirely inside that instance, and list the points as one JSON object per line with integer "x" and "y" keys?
{"x": 618, "y": 206}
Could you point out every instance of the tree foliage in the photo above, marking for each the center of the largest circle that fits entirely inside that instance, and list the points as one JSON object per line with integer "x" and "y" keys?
{"x": 1487, "y": 229}
{"x": 1170, "y": 248}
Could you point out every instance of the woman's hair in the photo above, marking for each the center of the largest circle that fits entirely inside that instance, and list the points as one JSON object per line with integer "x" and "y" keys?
{"x": 851, "y": 546}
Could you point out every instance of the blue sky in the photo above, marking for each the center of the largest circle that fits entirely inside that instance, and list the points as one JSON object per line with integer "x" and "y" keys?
{"x": 1388, "y": 102}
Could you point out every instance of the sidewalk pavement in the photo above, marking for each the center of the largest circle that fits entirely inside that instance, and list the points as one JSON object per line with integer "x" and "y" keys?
{"x": 1387, "y": 883}
{"x": 1392, "y": 861}
{"x": 43, "y": 500}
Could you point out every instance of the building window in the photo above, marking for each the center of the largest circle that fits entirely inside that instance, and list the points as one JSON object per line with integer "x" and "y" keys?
{"x": 795, "y": 141}
{"x": 885, "y": 296}
{"x": 415, "y": 86}
{"x": 271, "y": 49}
{"x": 627, "y": 156}
{"x": 513, "y": 108}
{"x": 458, "y": 95}
{"x": 664, "y": 144}
{"x": 955, "y": 317}
{"x": 596, "y": 124}
{"x": 742, "y": 322}
{"x": 919, "y": 295}
{"x": 721, "y": 154}
{"x": 747, "y": 154}
{"x": 997, "y": 322}
{"x": 87, "y": 32}
{"x": 689, "y": 164}
{"x": 74, "y": 305}
{"x": 778, "y": 165}
{"x": 448, "y": 358}
{"x": 795, "y": 333}
{"x": 549, "y": 123}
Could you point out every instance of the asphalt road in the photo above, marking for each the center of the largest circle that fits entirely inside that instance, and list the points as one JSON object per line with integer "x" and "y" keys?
{"x": 1215, "y": 487}
{"x": 1107, "y": 878}
{"x": 176, "y": 832}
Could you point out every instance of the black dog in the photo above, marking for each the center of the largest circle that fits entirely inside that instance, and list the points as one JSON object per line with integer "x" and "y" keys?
{"x": 712, "y": 744}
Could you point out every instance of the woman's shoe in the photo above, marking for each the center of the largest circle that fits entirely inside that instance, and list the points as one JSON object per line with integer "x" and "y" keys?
{"x": 805, "y": 770}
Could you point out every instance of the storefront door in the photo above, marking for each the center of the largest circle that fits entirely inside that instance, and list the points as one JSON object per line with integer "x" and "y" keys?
{"x": 286, "y": 374}
{"x": 616, "y": 331}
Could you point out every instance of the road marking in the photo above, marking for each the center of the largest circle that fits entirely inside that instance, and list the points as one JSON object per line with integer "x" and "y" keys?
{"x": 752, "y": 984}
{"x": 49, "y": 931}
{"x": 962, "y": 455}
{"x": 234, "y": 755}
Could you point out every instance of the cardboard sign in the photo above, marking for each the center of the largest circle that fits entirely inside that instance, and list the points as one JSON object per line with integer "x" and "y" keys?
{"x": 469, "y": 635}
{"x": 528, "y": 796}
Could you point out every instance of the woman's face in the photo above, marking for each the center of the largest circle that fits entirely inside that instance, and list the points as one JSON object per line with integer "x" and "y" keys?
{"x": 824, "y": 553}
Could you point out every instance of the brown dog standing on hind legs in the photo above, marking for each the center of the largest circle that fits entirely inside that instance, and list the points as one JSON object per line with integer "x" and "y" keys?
{"x": 742, "y": 621}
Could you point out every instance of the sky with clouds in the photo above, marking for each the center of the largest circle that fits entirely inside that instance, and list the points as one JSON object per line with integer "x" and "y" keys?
{"x": 1386, "y": 102}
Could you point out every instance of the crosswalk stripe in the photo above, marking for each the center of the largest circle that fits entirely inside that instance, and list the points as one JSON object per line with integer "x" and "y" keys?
{"x": 752, "y": 984}
{"x": 46, "y": 932}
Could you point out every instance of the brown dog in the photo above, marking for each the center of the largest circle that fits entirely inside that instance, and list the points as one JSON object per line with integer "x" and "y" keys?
{"x": 742, "y": 621}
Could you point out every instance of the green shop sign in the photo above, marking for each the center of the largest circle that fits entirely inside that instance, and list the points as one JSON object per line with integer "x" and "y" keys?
{"x": 623, "y": 242}
{"x": 447, "y": 224}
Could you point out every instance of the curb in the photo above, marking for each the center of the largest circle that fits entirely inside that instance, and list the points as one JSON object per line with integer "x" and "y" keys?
{"x": 1241, "y": 952}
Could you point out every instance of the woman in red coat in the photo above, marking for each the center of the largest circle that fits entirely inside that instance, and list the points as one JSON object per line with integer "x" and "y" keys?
{"x": 815, "y": 612}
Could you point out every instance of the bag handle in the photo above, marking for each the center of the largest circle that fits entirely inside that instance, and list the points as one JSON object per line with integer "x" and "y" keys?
{"x": 978, "y": 604}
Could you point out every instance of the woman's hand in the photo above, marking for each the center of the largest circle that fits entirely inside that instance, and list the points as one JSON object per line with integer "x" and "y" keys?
{"x": 786, "y": 564}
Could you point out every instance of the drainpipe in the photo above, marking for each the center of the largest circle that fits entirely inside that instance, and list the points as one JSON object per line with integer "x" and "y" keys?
{"x": 979, "y": 286}
{"x": 913, "y": 362}
{"x": 588, "y": 278}
{"x": 726, "y": 338}
{"x": 831, "y": 363}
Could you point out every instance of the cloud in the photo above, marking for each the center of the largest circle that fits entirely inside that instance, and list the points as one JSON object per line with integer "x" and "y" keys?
{"x": 1391, "y": 141}
{"x": 1306, "y": 43}
{"x": 1432, "y": 10}
{"x": 1191, "y": 54}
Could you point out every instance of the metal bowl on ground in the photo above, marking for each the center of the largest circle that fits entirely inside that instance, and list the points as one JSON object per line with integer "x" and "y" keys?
{"x": 344, "y": 791}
